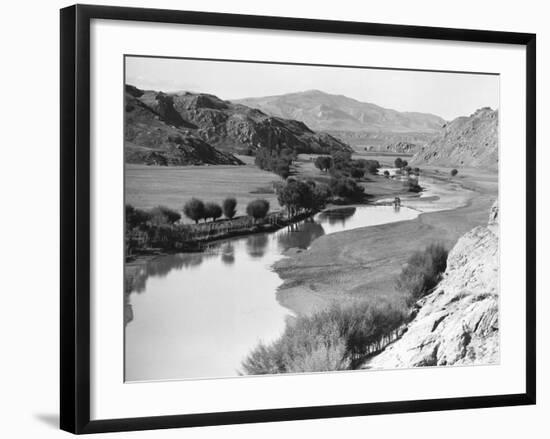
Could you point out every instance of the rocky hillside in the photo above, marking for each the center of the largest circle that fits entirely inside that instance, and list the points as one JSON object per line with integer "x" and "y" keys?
{"x": 466, "y": 141}
{"x": 458, "y": 323}
{"x": 190, "y": 128}
{"x": 327, "y": 112}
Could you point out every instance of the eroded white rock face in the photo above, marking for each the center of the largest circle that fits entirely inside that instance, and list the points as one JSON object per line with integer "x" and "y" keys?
{"x": 458, "y": 323}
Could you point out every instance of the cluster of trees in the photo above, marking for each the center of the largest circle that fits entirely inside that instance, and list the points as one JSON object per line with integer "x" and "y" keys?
{"x": 327, "y": 340}
{"x": 341, "y": 163}
{"x": 422, "y": 272}
{"x": 275, "y": 160}
{"x": 299, "y": 196}
{"x": 197, "y": 210}
{"x": 160, "y": 215}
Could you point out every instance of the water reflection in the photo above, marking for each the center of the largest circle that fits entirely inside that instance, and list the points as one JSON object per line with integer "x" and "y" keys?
{"x": 256, "y": 245}
{"x": 192, "y": 315}
{"x": 299, "y": 235}
{"x": 228, "y": 253}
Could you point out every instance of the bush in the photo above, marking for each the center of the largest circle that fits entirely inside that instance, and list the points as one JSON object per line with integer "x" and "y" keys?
{"x": 454, "y": 172}
{"x": 323, "y": 163}
{"x": 135, "y": 217}
{"x": 357, "y": 173}
{"x": 194, "y": 209}
{"x": 327, "y": 340}
{"x": 212, "y": 210}
{"x": 257, "y": 209}
{"x": 413, "y": 186}
{"x": 164, "y": 215}
{"x": 347, "y": 188}
{"x": 386, "y": 174}
{"x": 229, "y": 206}
{"x": 398, "y": 162}
{"x": 422, "y": 272}
{"x": 274, "y": 160}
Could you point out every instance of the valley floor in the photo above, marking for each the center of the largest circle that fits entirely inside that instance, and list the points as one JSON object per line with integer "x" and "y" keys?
{"x": 364, "y": 262}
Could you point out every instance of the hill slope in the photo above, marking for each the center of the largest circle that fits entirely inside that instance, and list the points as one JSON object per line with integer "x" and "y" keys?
{"x": 327, "y": 112}
{"x": 155, "y": 134}
{"x": 466, "y": 141}
{"x": 192, "y": 128}
{"x": 458, "y": 323}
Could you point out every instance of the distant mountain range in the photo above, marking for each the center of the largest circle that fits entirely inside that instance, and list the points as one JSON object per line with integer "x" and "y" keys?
{"x": 198, "y": 128}
{"x": 469, "y": 141}
{"x": 328, "y": 112}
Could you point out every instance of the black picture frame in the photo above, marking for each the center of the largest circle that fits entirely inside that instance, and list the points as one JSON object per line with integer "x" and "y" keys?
{"x": 75, "y": 217}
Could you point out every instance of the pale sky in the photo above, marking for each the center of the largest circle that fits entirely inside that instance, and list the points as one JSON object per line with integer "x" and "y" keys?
{"x": 447, "y": 95}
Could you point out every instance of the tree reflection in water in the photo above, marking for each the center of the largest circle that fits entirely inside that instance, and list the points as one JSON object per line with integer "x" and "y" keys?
{"x": 337, "y": 216}
{"x": 300, "y": 235}
{"x": 228, "y": 253}
{"x": 257, "y": 244}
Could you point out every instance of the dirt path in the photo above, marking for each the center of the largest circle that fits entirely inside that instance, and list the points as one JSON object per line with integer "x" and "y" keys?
{"x": 364, "y": 262}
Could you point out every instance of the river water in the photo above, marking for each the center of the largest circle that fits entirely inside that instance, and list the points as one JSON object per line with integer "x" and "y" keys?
{"x": 197, "y": 315}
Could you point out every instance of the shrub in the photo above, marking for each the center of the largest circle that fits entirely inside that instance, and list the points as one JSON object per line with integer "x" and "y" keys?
{"x": 135, "y": 217}
{"x": 327, "y": 340}
{"x": 323, "y": 163}
{"x": 454, "y": 172}
{"x": 212, "y": 210}
{"x": 412, "y": 185}
{"x": 257, "y": 209}
{"x": 164, "y": 215}
{"x": 398, "y": 162}
{"x": 357, "y": 173}
{"x": 229, "y": 206}
{"x": 386, "y": 173}
{"x": 422, "y": 272}
{"x": 194, "y": 209}
{"x": 277, "y": 161}
{"x": 347, "y": 188}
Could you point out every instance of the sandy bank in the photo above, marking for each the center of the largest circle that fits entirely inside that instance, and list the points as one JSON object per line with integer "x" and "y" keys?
{"x": 364, "y": 262}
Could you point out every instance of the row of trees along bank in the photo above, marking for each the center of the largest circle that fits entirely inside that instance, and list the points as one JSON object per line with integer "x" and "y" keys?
{"x": 162, "y": 228}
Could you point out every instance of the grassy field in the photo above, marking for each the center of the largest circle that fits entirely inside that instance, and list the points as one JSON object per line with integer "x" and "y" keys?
{"x": 150, "y": 186}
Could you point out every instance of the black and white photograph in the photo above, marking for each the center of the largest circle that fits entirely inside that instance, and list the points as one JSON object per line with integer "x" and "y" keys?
{"x": 293, "y": 218}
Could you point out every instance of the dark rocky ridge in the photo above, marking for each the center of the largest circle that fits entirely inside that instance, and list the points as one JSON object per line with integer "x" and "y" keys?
{"x": 190, "y": 128}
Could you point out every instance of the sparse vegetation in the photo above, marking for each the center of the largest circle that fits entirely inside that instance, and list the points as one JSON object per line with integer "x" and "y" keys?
{"x": 422, "y": 272}
{"x": 332, "y": 339}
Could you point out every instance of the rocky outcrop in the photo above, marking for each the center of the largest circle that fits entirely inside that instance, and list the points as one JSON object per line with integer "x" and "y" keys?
{"x": 458, "y": 323}
{"x": 155, "y": 134}
{"x": 199, "y": 128}
{"x": 465, "y": 142}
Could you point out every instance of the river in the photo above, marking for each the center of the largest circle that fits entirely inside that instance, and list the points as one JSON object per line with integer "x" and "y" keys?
{"x": 197, "y": 315}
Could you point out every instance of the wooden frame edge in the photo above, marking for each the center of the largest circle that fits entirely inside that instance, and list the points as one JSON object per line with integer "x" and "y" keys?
{"x": 75, "y": 214}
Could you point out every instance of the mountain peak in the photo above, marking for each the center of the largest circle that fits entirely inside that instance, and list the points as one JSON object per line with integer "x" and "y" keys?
{"x": 342, "y": 113}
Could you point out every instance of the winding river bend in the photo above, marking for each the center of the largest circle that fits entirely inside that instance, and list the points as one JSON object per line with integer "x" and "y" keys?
{"x": 197, "y": 315}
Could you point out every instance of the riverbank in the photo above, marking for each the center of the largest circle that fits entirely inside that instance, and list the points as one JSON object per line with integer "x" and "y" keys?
{"x": 362, "y": 263}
